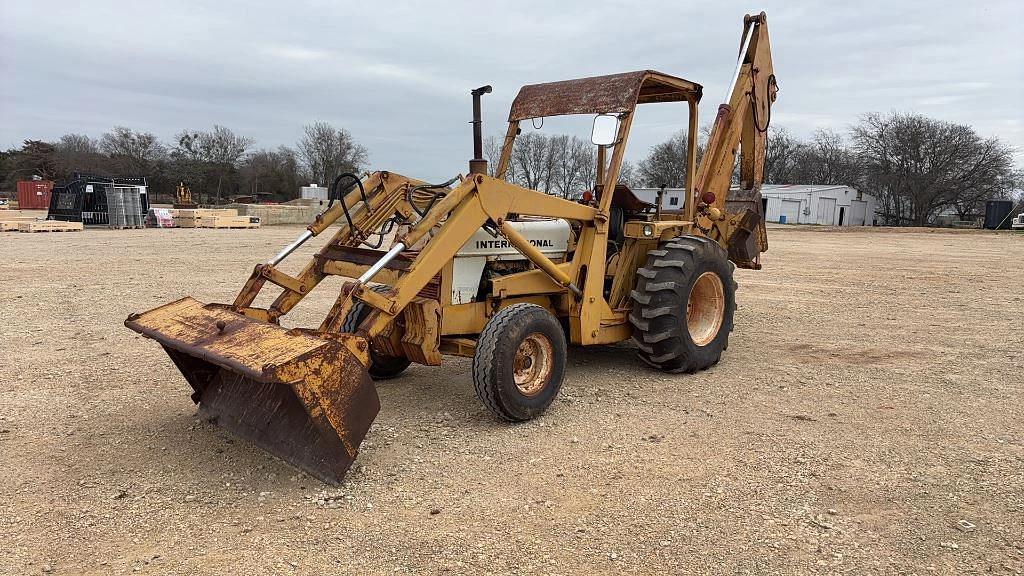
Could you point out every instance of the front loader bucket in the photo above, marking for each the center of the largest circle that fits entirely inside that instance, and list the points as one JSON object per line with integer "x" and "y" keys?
{"x": 303, "y": 397}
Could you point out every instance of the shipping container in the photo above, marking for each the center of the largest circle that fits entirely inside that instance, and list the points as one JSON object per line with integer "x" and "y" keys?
{"x": 34, "y": 194}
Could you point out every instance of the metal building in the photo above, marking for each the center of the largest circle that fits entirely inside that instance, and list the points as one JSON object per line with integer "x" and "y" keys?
{"x": 826, "y": 205}
{"x": 314, "y": 192}
{"x": 794, "y": 203}
{"x": 672, "y": 201}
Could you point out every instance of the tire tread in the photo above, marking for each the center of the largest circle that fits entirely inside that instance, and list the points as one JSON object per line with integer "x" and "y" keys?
{"x": 659, "y": 304}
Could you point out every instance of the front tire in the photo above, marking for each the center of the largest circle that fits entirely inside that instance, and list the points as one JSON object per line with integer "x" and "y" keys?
{"x": 683, "y": 305}
{"x": 519, "y": 362}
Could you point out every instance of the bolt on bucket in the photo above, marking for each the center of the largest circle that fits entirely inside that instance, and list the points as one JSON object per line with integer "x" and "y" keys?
{"x": 303, "y": 396}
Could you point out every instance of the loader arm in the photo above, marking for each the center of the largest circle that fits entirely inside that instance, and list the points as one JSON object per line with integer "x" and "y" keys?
{"x": 479, "y": 200}
{"x": 302, "y": 395}
{"x": 735, "y": 218}
{"x": 385, "y": 198}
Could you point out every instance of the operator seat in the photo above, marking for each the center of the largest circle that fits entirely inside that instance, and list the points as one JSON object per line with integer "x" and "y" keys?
{"x": 624, "y": 203}
{"x": 625, "y": 199}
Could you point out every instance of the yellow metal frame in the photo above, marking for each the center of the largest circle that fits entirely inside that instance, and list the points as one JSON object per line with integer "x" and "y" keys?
{"x": 574, "y": 289}
{"x": 306, "y": 394}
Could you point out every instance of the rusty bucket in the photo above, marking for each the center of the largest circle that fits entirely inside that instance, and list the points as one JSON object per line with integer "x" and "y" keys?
{"x": 304, "y": 397}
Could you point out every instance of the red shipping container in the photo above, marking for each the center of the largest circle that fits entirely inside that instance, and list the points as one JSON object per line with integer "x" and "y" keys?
{"x": 34, "y": 194}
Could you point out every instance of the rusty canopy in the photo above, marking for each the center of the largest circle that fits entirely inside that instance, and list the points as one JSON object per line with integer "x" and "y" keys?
{"x": 614, "y": 93}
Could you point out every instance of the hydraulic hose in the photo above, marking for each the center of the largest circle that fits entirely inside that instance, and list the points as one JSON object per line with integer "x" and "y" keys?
{"x": 434, "y": 197}
{"x": 334, "y": 193}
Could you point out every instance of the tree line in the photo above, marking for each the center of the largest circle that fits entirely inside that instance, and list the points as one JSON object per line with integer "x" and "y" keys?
{"x": 217, "y": 164}
{"x": 916, "y": 167}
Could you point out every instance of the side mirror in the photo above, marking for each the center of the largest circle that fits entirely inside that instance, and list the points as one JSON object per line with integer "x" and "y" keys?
{"x": 606, "y": 129}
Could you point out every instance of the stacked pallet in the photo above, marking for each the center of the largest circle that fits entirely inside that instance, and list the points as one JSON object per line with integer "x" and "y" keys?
{"x": 9, "y": 220}
{"x": 50, "y": 226}
{"x": 189, "y": 217}
{"x": 220, "y": 221}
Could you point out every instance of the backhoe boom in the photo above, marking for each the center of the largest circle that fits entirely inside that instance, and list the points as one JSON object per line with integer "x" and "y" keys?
{"x": 735, "y": 218}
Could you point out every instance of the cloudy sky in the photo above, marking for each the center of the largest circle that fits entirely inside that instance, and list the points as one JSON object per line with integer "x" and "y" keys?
{"x": 397, "y": 74}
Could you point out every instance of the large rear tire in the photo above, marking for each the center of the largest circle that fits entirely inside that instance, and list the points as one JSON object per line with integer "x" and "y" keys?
{"x": 683, "y": 305}
{"x": 519, "y": 362}
{"x": 382, "y": 366}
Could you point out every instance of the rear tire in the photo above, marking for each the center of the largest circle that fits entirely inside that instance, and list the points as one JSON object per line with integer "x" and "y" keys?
{"x": 519, "y": 362}
{"x": 683, "y": 305}
{"x": 382, "y": 366}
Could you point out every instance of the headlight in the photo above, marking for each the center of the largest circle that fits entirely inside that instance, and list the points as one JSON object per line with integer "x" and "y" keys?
{"x": 648, "y": 230}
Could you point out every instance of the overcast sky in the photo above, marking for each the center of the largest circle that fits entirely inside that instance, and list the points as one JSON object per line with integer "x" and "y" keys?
{"x": 397, "y": 74}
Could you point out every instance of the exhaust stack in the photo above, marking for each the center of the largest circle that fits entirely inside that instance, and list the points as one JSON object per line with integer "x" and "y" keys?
{"x": 478, "y": 164}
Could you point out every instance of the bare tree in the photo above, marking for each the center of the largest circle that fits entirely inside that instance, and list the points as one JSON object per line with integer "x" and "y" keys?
{"x": 574, "y": 161}
{"x": 561, "y": 164}
{"x": 628, "y": 174}
{"x": 80, "y": 153}
{"x": 492, "y": 152}
{"x": 326, "y": 152}
{"x": 586, "y": 163}
{"x": 218, "y": 146}
{"x": 132, "y": 152}
{"x": 557, "y": 164}
{"x": 780, "y": 161}
{"x": 274, "y": 172}
{"x": 987, "y": 174}
{"x": 533, "y": 161}
{"x": 917, "y": 166}
{"x": 210, "y": 158}
{"x": 78, "y": 144}
{"x": 665, "y": 164}
{"x": 825, "y": 159}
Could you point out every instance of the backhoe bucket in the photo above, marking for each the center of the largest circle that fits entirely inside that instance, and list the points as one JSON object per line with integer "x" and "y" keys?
{"x": 304, "y": 397}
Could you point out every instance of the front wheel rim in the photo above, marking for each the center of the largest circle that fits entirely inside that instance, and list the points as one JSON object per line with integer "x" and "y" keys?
{"x": 705, "y": 308}
{"x": 533, "y": 364}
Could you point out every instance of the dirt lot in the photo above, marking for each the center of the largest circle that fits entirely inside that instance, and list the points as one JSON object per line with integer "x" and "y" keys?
{"x": 867, "y": 418}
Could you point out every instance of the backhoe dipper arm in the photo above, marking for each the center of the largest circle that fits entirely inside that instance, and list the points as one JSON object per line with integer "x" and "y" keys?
{"x": 740, "y": 125}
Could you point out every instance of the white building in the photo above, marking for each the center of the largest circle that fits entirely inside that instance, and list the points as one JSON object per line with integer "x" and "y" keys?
{"x": 817, "y": 204}
{"x": 799, "y": 203}
{"x": 314, "y": 192}
{"x": 672, "y": 202}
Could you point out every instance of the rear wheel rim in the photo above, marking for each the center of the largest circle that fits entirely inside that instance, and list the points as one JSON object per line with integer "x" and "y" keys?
{"x": 533, "y": 364}
{"x": 705, "y": 308}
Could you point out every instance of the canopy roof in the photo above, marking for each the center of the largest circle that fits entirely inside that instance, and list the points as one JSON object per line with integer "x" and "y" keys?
{"x": 614, "y": 93}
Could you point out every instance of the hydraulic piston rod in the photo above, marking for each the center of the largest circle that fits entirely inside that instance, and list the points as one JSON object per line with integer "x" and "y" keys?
{"x": 291, "y": 247}
{"x": 748, "y": 33}
{"x": 380, "y": 264}
{"x": 538, "y": 257}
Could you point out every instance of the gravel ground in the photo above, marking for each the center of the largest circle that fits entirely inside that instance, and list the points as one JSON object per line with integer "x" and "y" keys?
{"x": 865, "y": 419}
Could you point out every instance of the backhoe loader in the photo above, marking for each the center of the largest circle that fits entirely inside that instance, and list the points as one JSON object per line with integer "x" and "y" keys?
{"x": 483, "y": 268}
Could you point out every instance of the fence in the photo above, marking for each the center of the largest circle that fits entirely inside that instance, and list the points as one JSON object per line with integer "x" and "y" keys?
{"x": 124, "y": 207}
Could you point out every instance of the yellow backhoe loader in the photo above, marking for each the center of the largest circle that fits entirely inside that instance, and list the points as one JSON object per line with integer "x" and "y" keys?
{"x": 486, "y": 269}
